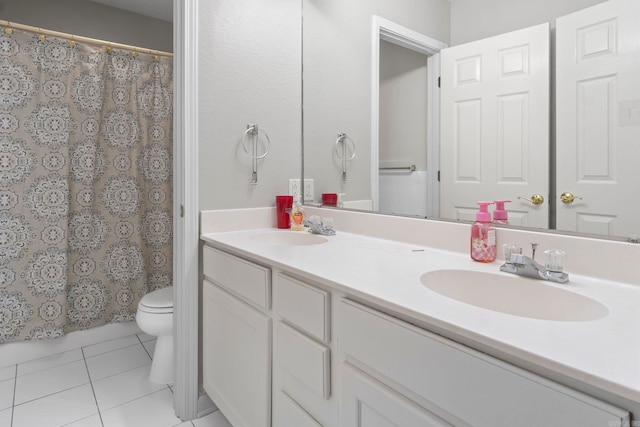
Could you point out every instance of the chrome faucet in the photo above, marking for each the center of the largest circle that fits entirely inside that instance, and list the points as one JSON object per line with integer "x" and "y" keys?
{"x": 525, "y": 266}
{"x": 316, "y": 226}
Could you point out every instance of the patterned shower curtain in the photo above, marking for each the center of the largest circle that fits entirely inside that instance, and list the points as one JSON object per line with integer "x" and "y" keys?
{"x": 85, "y": 183}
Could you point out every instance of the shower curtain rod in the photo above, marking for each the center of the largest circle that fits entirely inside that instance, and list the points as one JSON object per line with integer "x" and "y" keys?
{"x": 88, "y": 40}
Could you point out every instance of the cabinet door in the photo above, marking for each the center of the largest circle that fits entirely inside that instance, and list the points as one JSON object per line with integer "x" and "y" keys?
{"x": 368, "y": 403}
{"x": 287, "y": 412}
{"x": 473, "y": 387}
{"x": 236, "y": 358}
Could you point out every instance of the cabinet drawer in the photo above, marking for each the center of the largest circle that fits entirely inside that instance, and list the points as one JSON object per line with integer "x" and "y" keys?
{"x": 244, "y": 278}
{"x": 303, "y": 358}
{"x": 474, "y": 387}
{"x": 304, "y": 306}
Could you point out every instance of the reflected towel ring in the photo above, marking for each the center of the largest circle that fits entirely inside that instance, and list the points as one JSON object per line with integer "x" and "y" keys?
{"x": 342, "y": 154}
{"x": 343, "y": 137}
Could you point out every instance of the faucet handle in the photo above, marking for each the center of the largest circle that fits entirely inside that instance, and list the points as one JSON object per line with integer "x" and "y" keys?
{"x": 510, "y": 249}
{"x": 555, "y": 260}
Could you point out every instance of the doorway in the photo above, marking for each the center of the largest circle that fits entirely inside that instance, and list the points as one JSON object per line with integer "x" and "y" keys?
{"x": 393, "y": 135}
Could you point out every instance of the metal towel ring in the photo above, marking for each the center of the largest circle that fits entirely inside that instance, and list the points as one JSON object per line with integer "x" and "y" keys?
{"x": 254, "y": 131}
{"x": 344, "y": 139}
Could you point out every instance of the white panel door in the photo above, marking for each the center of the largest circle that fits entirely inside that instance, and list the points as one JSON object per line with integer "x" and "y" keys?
{"x": 495, "y": 125}
{"x": 598, "y": 118}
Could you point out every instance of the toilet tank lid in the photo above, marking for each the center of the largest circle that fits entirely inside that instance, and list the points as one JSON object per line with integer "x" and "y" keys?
{"x": 159, "y": 298}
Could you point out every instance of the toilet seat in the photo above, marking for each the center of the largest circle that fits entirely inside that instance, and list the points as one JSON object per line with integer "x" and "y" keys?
{"x": 159, "y": 301}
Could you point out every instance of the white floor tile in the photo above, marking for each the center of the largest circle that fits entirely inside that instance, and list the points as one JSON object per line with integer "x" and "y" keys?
{"x": 121, "y": 388}
{"x": 6, "y": 393}
{"x": 92, "y": 421}
{"x": 154, "y": 410}
{"x": 49, "y": 362}
{"x": 215, "y": 419}
{"x": 5, "y": 417}
{"x": 104, "y": 347}
{"x": 56, "y": 410}
{"x": 8, "y": 372}
{"x": 150, "y": 346}
{"x": 145, "y": 337}
{"x": 44, "y": 383}
{"x": 117, "y": 361}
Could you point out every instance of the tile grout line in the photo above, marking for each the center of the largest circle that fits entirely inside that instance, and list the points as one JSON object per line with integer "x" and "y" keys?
{"x": 145, "y": 348}
{"x": 107, "y": 352}
{"x": 95, "y": 398}
{"x": 13, "y": 400}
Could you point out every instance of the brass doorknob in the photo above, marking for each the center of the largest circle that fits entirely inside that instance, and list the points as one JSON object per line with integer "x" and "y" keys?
{"x": 568, "y": 198}
{"x": 536, "y": 199}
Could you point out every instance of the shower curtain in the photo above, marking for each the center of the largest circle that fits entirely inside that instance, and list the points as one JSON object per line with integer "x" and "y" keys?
{"x": 85, "y": 183}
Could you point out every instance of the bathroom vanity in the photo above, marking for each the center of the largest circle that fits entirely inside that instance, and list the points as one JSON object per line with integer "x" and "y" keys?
{"x": 307, "y": 330}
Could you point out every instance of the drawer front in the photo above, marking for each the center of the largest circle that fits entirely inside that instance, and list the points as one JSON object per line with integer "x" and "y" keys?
{"x": 473, "y": 387}
{"x": 244, "y": 278}
{"x": 304, "y": 306}
{"x": 303, "y": 358}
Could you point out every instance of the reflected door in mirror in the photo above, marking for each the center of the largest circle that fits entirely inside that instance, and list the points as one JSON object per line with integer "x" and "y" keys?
{"x": 495, "y": 125}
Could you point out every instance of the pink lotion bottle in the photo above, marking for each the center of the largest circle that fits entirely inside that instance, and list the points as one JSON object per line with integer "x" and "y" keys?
{"x": 500, "y": 215}
{"x": 483, "y": 236}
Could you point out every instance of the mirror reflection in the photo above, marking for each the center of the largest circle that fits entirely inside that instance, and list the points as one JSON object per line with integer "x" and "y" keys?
{"x": 538, "y": 104}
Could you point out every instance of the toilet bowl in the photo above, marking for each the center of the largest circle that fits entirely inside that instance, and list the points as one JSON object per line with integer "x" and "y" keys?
{"x": 155, "y": 317}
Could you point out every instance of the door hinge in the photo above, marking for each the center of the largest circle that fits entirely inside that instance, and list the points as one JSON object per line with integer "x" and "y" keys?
{"x": 181, "y": 211}
{"x": 438, "y": 176}
{"x": 438, "y": 81}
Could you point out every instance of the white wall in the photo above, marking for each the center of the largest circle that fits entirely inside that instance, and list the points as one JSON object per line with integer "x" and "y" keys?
{"x": 475, "y": 19}
{"x": 337, "y": 81}
{"x": 89, "y": 19}
{"x": 250, "y": 67}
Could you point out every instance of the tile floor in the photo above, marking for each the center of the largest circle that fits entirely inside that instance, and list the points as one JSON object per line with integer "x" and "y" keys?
{"x": 100, "y": 385}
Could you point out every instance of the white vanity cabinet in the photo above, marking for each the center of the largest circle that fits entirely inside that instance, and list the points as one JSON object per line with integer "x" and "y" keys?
{"x": 461, "y": 385}
{"x": 284, "y": 350}
{"x": 237, "y": 335}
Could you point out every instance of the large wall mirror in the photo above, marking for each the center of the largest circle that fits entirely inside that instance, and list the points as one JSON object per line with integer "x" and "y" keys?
{"x": 535, "y": 99}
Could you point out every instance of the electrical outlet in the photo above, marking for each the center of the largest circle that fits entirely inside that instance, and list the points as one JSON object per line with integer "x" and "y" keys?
{"x": 294, "y": 188}
{"x": 308, "y": 189}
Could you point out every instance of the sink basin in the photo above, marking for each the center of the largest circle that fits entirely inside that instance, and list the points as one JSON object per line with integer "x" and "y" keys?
{"x": 289, "y": 238}
{"x": 514, "y": 295}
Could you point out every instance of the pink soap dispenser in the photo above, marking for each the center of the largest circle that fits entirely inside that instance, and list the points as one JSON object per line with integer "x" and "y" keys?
{"x": 500, "y": 214}
{"x": 483, "y": 236}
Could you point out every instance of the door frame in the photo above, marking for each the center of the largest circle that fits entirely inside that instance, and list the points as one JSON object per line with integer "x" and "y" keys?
{"x": 389, "y": 31}
{"x": 185, "y": 211}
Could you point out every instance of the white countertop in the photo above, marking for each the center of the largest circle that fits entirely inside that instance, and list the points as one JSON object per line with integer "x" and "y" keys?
{"x": 602, "y": 353}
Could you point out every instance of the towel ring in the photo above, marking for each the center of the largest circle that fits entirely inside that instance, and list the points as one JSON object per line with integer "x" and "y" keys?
{"x": 254, "y": 131}
{"x": 343, "y": 140}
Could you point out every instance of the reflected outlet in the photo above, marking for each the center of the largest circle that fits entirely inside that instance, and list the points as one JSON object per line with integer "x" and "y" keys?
{"x": 308, "y": 189}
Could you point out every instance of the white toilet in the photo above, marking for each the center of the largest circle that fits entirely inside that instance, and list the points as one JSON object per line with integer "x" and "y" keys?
{"x": 155, "y": 317}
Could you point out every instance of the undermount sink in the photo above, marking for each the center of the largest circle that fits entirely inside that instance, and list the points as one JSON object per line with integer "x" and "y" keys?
{"x": 514, "y": 295}
{"x": 289, "y": 238}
